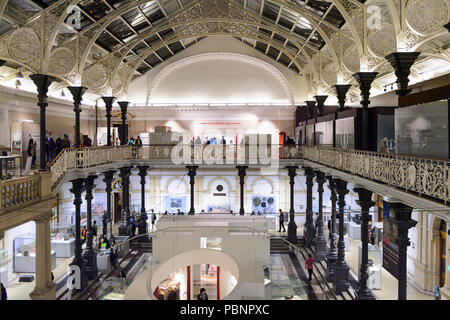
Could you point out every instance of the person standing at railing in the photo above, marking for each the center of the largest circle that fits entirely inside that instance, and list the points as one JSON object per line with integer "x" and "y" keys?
{"x": 59, "y": 146}
{"x": 138, "y": 142}
{"x": 51, "y": 150}
{"x": 66, "y": 142}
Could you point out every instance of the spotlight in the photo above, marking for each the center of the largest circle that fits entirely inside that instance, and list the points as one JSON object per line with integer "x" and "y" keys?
{"x": 384, "y": 89}
{"x": 392, "y": 87}
{"x": 18, "y": 84}
{"x": 19, "y": 74}
{"x": 62, "y": 93}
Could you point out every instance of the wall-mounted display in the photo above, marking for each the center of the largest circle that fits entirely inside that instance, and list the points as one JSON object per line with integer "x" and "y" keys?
{"x": 309, "y": 138}
{"x": 172, "y": 204}
{"x": 385, "y": 133}
{"x": 345, "y": 133}
{"x": 24, "y": 249}
{"x": 423, "y": 130}
{"x": 264, "y": 204}
{"x": 324, "y": 133}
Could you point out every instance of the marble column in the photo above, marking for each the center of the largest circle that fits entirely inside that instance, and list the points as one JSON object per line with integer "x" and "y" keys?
{"x": 77, "y": 93}
{"x": 402, "y": 220}
{"x": 192, "y": 173}
{"x": 45, "y": 288}
{"x": 332, "y": 253}
{"x": 365, "y": 202}
{"x": 109, "y": 177}
{"x": 125, "y": 226}
{"x": 142, "y": 227}
{"x": 42, "y": 82}
{"x": 341, "y": 268}
{"x": 89, "y": 255}
{"x": 77, "y": 189}
{"x": 108, "y": 106}
{"x": 124, "y": 134}
{"x": 292, "y": 226}
{"x": 320, "y": 242}
{"x": 242, "y": 174}
{"x": 309, "y": 225}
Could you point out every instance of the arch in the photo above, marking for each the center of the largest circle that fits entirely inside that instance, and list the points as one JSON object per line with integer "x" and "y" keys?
{"x": 222, "y": 56}
{"x": 170, "y": 180}
{"x": 272, "y": 184}
{"x": 186, "y": 36}
{"x": 218, "y": 178}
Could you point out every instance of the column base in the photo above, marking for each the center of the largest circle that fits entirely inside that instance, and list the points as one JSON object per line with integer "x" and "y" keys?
{"x": 365, "y": 294}
{"x": 341, "y": 277}
{"x": 46, "y": 294}
{"x": 90, "y": 257}
{"x": 292, "y": 233}
{"x": 321, "y": 248}
{"x": 331, "y": 261}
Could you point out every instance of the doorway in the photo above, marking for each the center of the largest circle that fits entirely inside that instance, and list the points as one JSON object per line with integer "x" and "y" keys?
{"x": 117, "y": 207}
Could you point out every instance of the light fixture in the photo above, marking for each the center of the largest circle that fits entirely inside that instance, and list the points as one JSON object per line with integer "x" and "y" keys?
{"x": 384, "y": 89}
{"x": 62, "y": 93}
{"x": 19, "y": 74}
{"x": 392, "y": 86}
{"x": 18, "y": 83}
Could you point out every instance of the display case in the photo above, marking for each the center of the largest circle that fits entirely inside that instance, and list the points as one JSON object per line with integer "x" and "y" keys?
{"x": 63, "y": 240}
{"x": 24, "y": 250}
{"x": 103, "y": 260}
{"x": 169, "y": 289}
{"x": 374, "y": 270}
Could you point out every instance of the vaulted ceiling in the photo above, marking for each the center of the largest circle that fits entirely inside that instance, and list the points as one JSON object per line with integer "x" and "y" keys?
{"x": 104, "y": 44}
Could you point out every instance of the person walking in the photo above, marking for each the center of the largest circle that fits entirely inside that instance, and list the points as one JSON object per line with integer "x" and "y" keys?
{"x": 281, "y": 222}
{"x": 309, "y": 266}
{"x": 202, "y": 295}
{"x": 94, "y": 228}
{"x": 153, "y": 219}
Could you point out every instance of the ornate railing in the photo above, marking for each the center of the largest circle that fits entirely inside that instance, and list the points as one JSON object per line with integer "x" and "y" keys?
{"x": 80, "y": 158}
{"x": 19, "y": 192}
{"x": 424, "y": 176}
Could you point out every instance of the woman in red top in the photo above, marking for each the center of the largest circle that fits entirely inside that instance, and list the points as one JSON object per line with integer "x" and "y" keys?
{"x": 309, "y": 266}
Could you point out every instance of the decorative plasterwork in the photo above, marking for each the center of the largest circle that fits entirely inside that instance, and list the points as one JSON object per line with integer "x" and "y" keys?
{"x": 221, "y": 56}
{"x": 24, "y": 45}
{"x": 427, "y": 16}
{"x": 62, "y": 61}
{"x": 382, "y": 41}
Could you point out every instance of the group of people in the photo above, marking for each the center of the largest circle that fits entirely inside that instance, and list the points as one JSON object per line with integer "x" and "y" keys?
{"x": 52, "y": 148}
{"x": 213, "y": 140}
{"x": 135, "y": 142}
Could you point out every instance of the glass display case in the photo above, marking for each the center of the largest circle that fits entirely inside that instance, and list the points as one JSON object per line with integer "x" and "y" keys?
{"x": 24, "y": 250}
{"x": 63, "y": 240}
{"x": 374, "y": 270}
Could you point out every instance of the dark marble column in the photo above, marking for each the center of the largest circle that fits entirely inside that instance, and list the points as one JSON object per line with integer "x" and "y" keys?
{"x": 292, "y": 226}
{"x": 42, "y": 82}
{"x": 242, "y": 174}
{"x": 108, "y": 106}
{"x": 341, "y": 91}
{"x": 109, "y": 177}
{"x": 365, "y": 80}
{"x": 125, "y": 226}
{"x": 124, "y": 134}
{"x": 192, "y": 173}
{"x": 77, "y": 190}
{"x": 402, "y": 62}
{"x": 332, "y": 253}
{"x": 320, "y": 242}
{"x": 309, "y": 225}
{"x": 365, "y": 202}
{"x": 77, "y": 93}
{"x": 402, "y": 220}
{"x": 142, "y": 227}
{"x": 320, "y": 104}
{"x": 341, "y": 268}
{"x": 89, "y": 255}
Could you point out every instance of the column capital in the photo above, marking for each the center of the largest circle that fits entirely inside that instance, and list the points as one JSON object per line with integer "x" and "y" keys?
{"x": 108, "y": 103}
{"x": 242, "y": 170}
{"x": 402, "y": 62}
{"x": 45, "y": 217}
{"x": 365, "y": 80}
{"x": 364, "y": 198}
{"x": 123, "y": 108}
{"x": 341, "y": 92}
{"x": 42, "y": 83}
{"x": 320, "y": 178}
{"x": 311, "y": 104}
{"x": 320, "y": 99}
{"x": 292, "y": 171}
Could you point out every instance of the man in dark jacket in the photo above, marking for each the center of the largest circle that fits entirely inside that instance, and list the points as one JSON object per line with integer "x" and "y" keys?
{"x": 202, "y": 295}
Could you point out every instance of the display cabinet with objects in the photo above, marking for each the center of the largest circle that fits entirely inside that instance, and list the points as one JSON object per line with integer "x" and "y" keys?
{"x": 63, "y": 240}
{"x": 375, "y": 262}
{"x": 24, "y": 249}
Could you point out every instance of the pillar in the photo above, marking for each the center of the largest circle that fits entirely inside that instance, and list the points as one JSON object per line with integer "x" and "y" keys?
{"x": 309, "y": 225}
{"x": 292, "y": 227}
{"x": 365, "y": 80}
{"x": 341, "y": 268}
{"x": 77, "y": 93}
{"x": 142, "y": 227}
{"x": 45, "y": 288}
{"x": 109, "y": 176}
{"x": 108, "y": 105}
{"x": 192, "y": 173}
{"x": 42, "y": 82}
{"x": 332, "y": 253}
{"x": 402, "y": 62}
{"x": 124, "y": 134}
{"x": 89, "y": 255}
{"x": 402, "y": 220}
{"x": 320, "y": 242}
{"x": 125, "y": 226}
{"x": 365, "y": 202}
{"x": 77, "y": 189}
{"x": 341, "y": 91}
{"x": 242, "y": 174}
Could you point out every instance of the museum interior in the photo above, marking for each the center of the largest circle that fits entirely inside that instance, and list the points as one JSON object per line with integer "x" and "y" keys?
{"x": 224, "y": 149}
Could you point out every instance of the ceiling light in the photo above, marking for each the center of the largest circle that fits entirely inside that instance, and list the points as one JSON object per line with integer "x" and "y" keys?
{"x": 19, "y": 74}
{"x": 62, "y": 93}
{"x": 18, "y": 84}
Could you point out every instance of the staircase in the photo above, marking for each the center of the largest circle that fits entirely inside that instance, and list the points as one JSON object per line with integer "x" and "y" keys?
{"x": 146, "y": 246}
{"x": 278, "y": 245}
